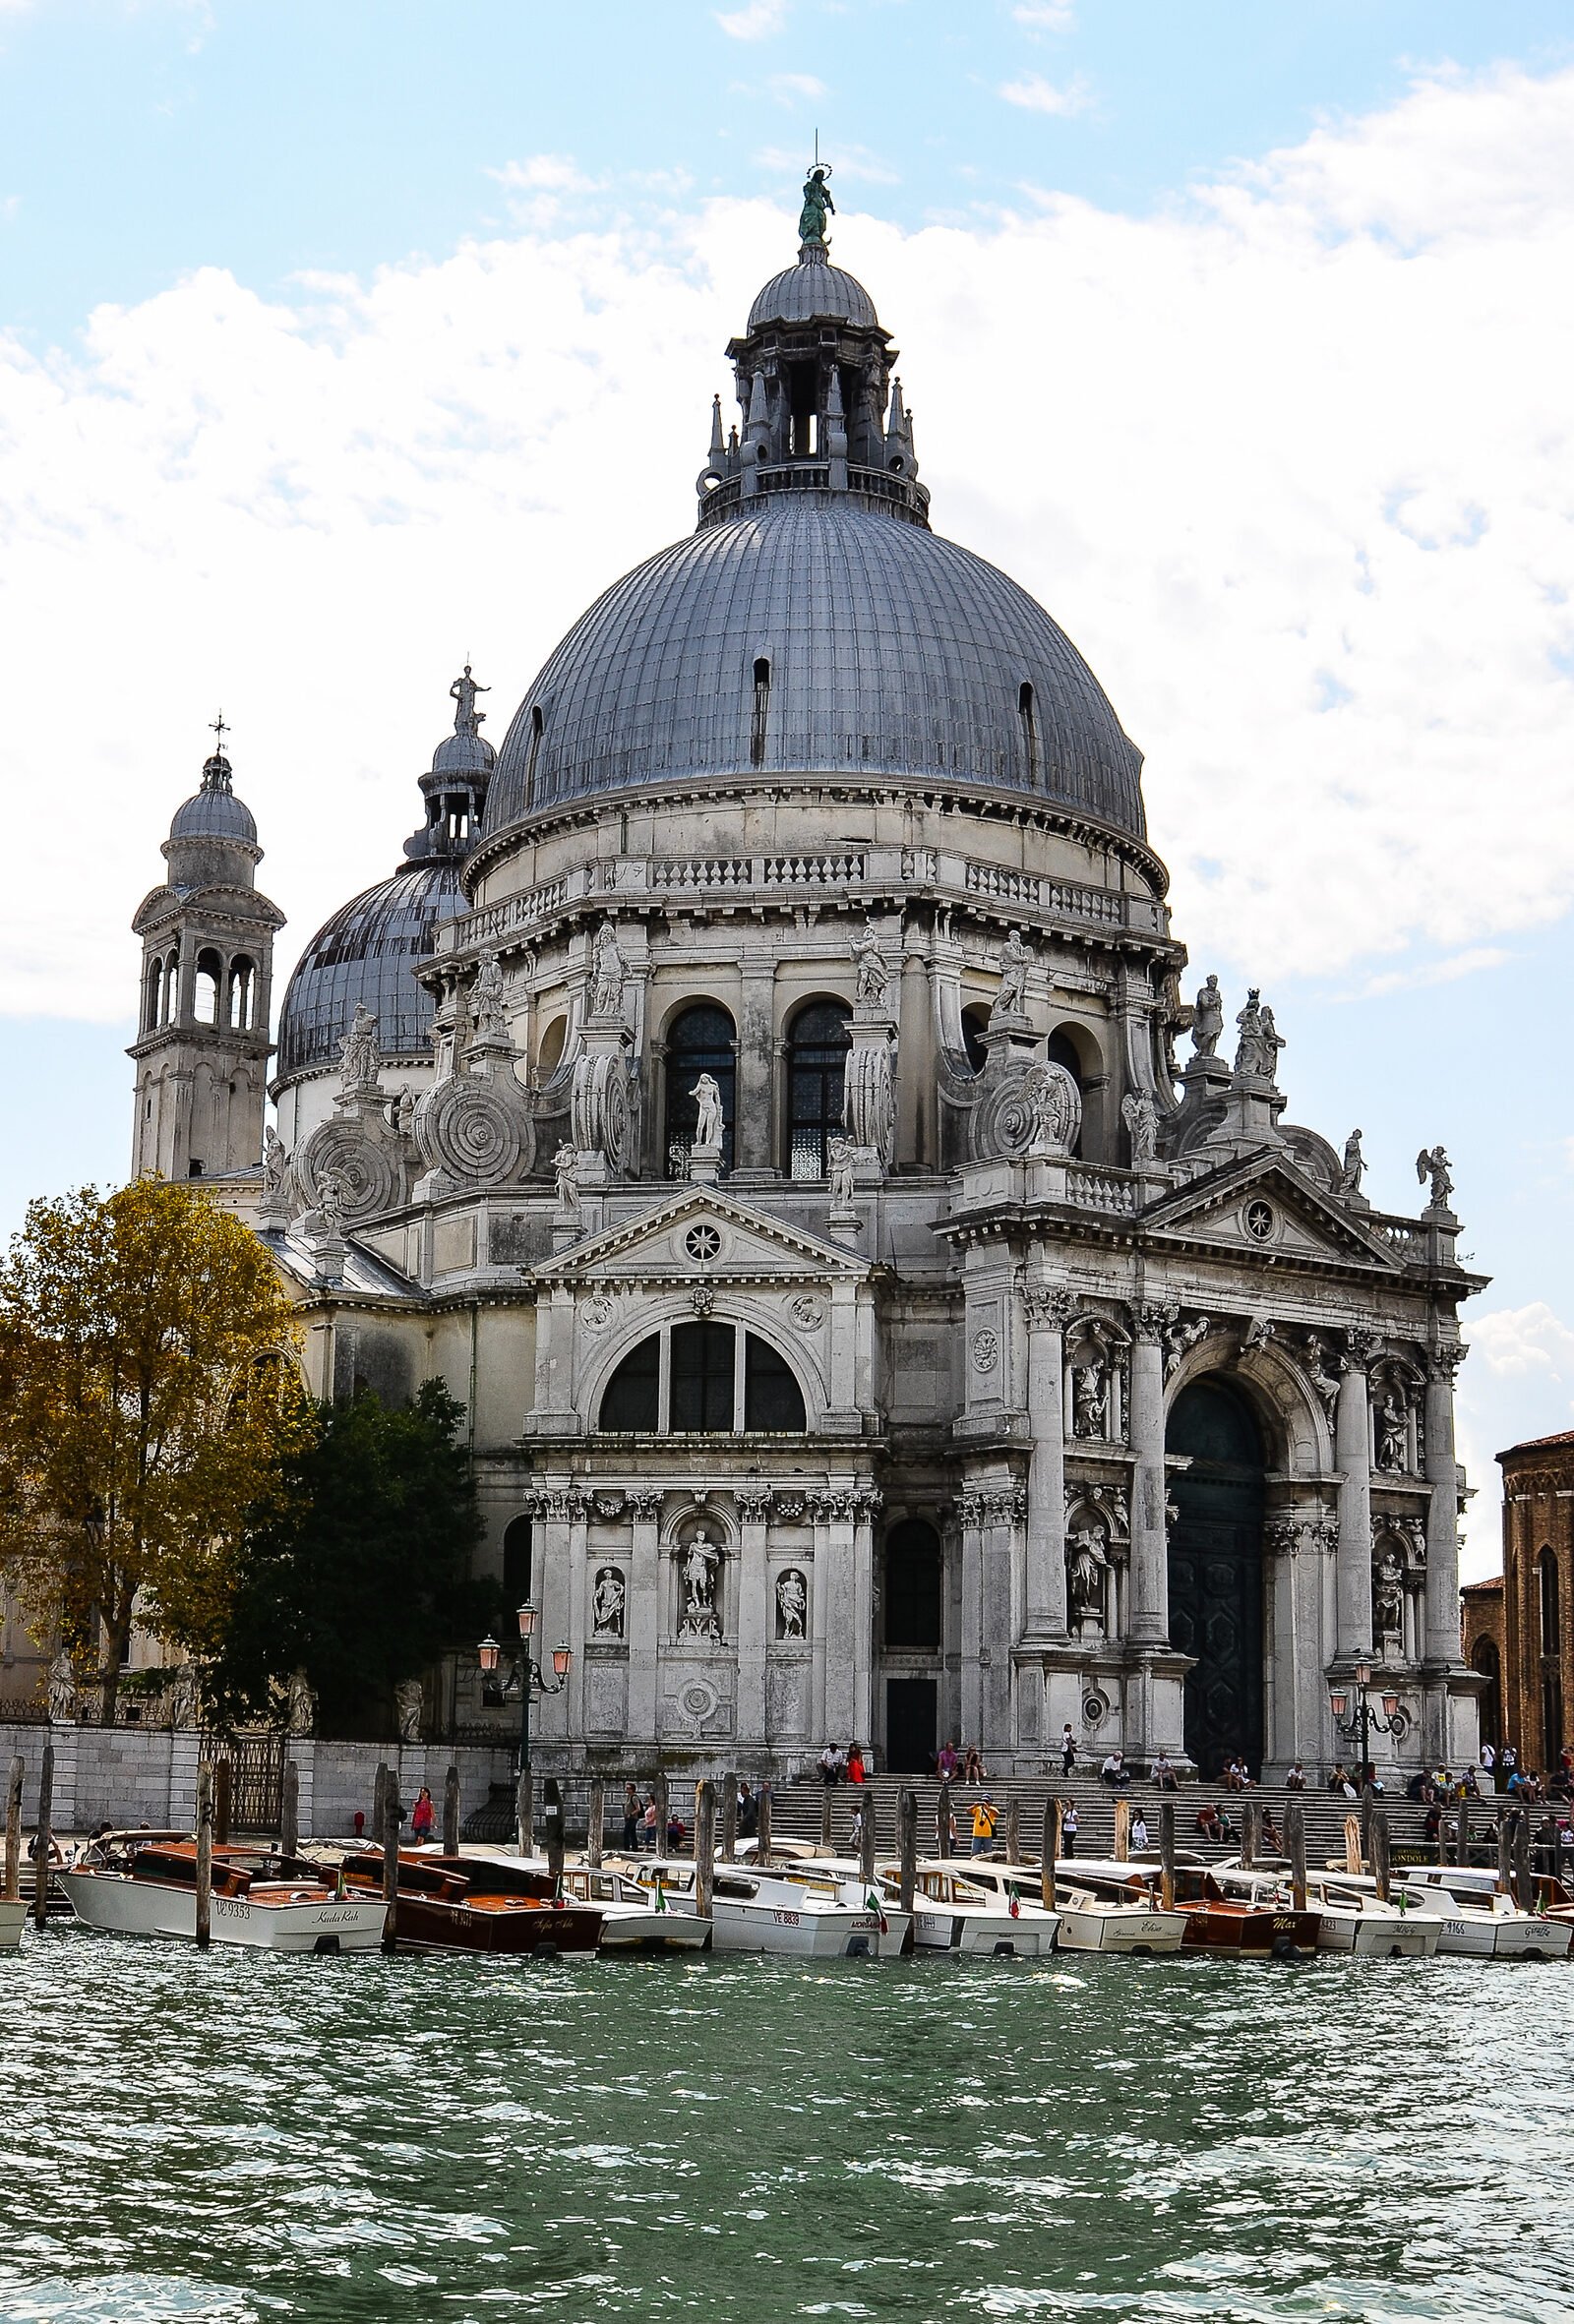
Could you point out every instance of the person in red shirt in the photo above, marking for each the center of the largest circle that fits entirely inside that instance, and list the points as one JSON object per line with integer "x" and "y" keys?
{"x": 855, "y": 1763}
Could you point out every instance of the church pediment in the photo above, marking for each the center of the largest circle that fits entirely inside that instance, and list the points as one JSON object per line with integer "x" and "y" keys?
{"x": 700, "y": 1230}
{"x": 1262, "y": 1204}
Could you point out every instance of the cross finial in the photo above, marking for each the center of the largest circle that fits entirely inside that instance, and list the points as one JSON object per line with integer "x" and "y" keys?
{"x": 220, "y": 729}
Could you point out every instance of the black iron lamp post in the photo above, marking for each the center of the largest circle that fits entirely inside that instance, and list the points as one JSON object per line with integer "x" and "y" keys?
{"x": 532, "y": 1678}
{"x": 1393, "y": 1719}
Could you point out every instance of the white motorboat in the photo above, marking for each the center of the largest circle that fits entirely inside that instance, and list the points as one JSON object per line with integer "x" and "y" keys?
{"x": 1011, "y": 1886}
{"x": 1350, "y": 1920}
{"x": 767, "y": 1912}
{"x": 952, "y": 1913}
{"x": 145, "y": 1885}
{"x": 1483, "y": 1926}
{"x": 633, "y": 1919}
{"x": 1090, "y": 1922}
{"x": 12, "y": 1912}
{"x": 845, "y": 1875}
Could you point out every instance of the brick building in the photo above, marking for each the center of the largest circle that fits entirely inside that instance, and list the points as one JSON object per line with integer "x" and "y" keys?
{"x": 1534, "y": 1638}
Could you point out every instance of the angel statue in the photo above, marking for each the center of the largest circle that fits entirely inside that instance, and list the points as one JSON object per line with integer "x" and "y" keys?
{"x": 1433, "y": 1163}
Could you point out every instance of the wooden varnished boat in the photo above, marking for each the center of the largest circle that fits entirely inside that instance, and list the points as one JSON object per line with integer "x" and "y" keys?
{"x": 1231, "y": 1928}
{"x": 476, "y": 1904}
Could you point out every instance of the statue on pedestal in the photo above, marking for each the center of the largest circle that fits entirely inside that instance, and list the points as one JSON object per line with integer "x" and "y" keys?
{"x": 708, "y": 1124}
{"x": 1085, "y": 1568}
{"x": 358, "y": 1055}
{"x": 1355, "y": 1165}
{"x": 874, "y": 978}
{"x": 1207, "y": 1022}
{"x": 408, "y": 1704}
{"x": 1016, "y": 960}
{"x": 697, "y": 1567}
{"x": 1432, "y": 1164}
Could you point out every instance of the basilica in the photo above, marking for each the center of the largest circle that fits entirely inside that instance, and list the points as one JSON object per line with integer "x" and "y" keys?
{"x": 887, "y": 1298}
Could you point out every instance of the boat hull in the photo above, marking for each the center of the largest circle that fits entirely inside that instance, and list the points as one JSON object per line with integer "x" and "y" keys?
{"x": 941, "y": 1927}
{"x": 1411, "y": 1936}
{"x": 126, "y": 1907}
{"x": 626, "y": 1930}
{"x": 1251, "y": 1933}
{"x": 795, "y": 1929}
{"x": 430, "y": 1925}
{"x": 12, "y": 1912}
{"x": 1086, "y": 1930}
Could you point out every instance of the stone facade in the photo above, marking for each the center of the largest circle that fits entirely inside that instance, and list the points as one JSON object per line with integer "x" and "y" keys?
{"x": 868, "y": 1327}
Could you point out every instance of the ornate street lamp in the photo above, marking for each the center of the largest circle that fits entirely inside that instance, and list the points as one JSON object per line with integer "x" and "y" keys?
{"x": 1394, "y": 1720}
{"x": 532, "y": 1679}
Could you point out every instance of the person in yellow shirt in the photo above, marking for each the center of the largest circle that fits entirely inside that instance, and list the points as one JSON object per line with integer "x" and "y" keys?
{"x": 984, "y": 1821}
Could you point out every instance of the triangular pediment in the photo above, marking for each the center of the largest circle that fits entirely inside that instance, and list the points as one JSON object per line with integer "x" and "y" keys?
{"x": 1303, "y": 1225}
{"x": 703, "y": 1230}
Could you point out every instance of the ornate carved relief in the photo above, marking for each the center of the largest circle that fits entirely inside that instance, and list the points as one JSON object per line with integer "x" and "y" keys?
{"x": 608, "y": 1603}
{"x": 792, "y": 1603}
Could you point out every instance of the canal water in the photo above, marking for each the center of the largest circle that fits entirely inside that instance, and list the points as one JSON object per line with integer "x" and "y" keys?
{"x": 244, "y": 2137}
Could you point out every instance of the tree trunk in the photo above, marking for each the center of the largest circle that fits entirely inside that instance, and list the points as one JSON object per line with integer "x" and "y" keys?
{"x": 118, "y": 1635}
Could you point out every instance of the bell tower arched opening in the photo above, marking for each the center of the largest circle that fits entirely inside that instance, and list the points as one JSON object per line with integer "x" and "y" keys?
{"x": 1216, "y": 1570}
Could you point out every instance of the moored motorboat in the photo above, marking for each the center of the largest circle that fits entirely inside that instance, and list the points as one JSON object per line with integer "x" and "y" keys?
{"x": 12, "y": 1912}
{"x": 633, "y": 1919}
{"x": 763, "y": 1912}
{"x": 1479, "y": 1919}
{"x": 1011, "y": 1889}
{"x": 1089, "y": 1922}
{"x": 845, "y": 1875}
{"x": 476, "y": 1904}
{"x": 1349, "y": 1920}
{"x": 1229, "y": 1927}
{"x": 953, "y": 1914}
{"x": 145, "y": 1885}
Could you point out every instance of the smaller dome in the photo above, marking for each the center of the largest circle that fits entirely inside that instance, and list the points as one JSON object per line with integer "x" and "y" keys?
{"x": 215, "y": 812}
{"x": 367, "y": 953}
{"x": 464, "y": 755}
{"x": 814, "y": 292}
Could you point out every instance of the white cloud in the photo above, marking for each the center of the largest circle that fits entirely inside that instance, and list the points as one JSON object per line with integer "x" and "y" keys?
{"x": 757, "y": 22}
{"x": 1289, "y": 462}
{"x": 543, "y": 173}
{"x": 1035, "y": 95}
{"x": 1045, "y": 16}
{"x": 790, "y": 86}
{"x": 1435, "y": 972}
{"x": 1517, "y": 1343}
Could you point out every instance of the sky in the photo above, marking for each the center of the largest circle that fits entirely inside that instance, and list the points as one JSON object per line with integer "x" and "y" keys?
{"x": 341, "y": 344}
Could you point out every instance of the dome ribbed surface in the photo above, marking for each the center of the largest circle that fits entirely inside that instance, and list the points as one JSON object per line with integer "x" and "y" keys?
{"x": 366, "y": 953}
{"x": 214, "y": 814}
{"x": 462, "y": 754}
{"x": 892, "y": 651}
{"x": 814, "y": 294}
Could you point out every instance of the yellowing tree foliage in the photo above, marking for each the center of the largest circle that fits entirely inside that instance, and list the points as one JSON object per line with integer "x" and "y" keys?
{"x": 149, "y": 1391}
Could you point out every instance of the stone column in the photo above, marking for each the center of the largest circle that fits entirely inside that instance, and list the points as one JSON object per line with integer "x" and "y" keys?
{"x": 1004, "y": 1511}
{"x": 1150, "y": 1576}
{"x": 578, "y": 1628}
{"x": 755, "y": 1613}
{"x": 645, "y": 1604}
{"x": 1047, "y": 1313}
{"x": 837, "y": 1596}
{"x": 751, "y": 1130}
{"x": 865, "y": 1507}
{"x": 971, "y": 1512}
{"x": 1353, "y": 1452}
{"x": 560, "y": 1524}
{"x": 1442, "y": 1517}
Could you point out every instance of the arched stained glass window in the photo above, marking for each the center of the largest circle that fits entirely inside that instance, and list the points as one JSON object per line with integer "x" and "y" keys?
{"x": 816, "y": 1073}
{"x": 699, "y": 1039}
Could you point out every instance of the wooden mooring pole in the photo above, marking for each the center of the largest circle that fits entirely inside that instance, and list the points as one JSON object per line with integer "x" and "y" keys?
{"x": 552, "y": 1801}
{"x": 1295, "y": 1849}
{"x": 1379, "y": 1852}
{"x": 942, "y": 1821}
{"x": 1524, "y": 1891}
{"x": 1050, "y": 1851}
{"x": 1354, "y": 1857}
{"x": 866, "y": 1845}
{"x": 1462, "y": 1830}
{"x": 1014, "y": 1830}
{"x": 289, "y": 1809}
{"x": 825, "y": 1818}
{"x": 595, "y": 1838}
{"x": 1504, "y": 1868}
{"x": 729, "y": 1819}
{"x": 1166, "y": 1855}
{"x": 763, "y": 1851}
{"x": 14, "y": 1830}
{"x": 907, "y": 1845}
{"x": 704, "y": 1847}
{"x": 1122, "y": 1831}
{"x": 450, "y": 1811}
{"x": 204, "y": 1856}
{"x": 40, "y": 1861}
{"x": 663, "y": 1814}
{"x": 379, "y": 1803}
{"x": 391, "y": 1859}
{"x": 1250, "y": 1832}
{"x": 524, "y": 1813}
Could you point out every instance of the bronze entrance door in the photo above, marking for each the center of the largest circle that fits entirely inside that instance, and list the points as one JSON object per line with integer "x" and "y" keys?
{"x": 1215, "y": 1575}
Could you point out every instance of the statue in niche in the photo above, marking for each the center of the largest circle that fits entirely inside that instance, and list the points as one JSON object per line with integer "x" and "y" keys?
{"x": 698, "y": 1564}
{"x": 1090, "y": 1398}
{"x": 1388, "y": 1596}
{"x": 840, "y": 1156}
{"x": 331, "y": 1195}
{"x": 792, "y": 1604}
{"x": 1433, "y": 1163}
{"x": 1141, "y": 1118}
{"x": 1086, "y": 1564}
{"x": 1393, "y": 1433}
{"x": 1322, "y": 1379}
{"x": 1355, "y": 1165}
{"x": 608, "y": 970}
{"x": 873, "y": 974}
{"x": 486, "y": 1001}
{"x": 608, "y": 1601}
{"x": 1207, "y": 1022}
{"x": 817, "y": 204}
{"x": 466, "y": 718}
{"x": 1014, "y": 963}
{"x": 62, "y": 1690}
{"x": 358, "y": 1055}
{"x": 707, "y": 1094}
{"x": 408, "y": 1704}
{"x": 566, "y": 1171}
{"x": 404, "y": 1112}
{"x": 275, "y": 1162}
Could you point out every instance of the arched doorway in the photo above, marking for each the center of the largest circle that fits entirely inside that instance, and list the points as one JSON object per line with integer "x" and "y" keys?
{"x": 1216, "y": 1577}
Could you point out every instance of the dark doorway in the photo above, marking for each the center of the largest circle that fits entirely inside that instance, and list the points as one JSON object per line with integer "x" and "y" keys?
{"x": 1216, "y": 1576}
{"x": 912, "y": 1720}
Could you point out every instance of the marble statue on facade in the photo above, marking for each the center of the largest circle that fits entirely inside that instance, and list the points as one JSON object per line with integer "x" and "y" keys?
{"x": 1393, "y": 1433}
{"x": 301, "y": 1708}
{"x": 707, "y": 1094}
{"x": 873, "y": 976}
{"x": 1090, "y": 1398}
{"x": 332, "y": 1196}
{"x": 1432, "y": 1162}
{"x": 1258, "y": 1045}
{"x": 1016, "y": 960}
{"x": 839, "y": 1155}
{"x": 1086, "y": 1564}
{"x": 608, "y": 1601}
{"x": 565, "y": 1173}
{"x": 608, "y": 972}
{"x": 792, "y": 1603}
{"x": 408, "y": 1704}
{"x": 63, "y": 1697}
{"x": 402, "y": 1114}
{"x": 275, "y": 1162}
{"x": 358, "y": 1055}
{"x": 1207, "y": 1022}
{"x": 487, "y": 1007}
{"x": 698, "y": 1564}
{"x": 1141, "y": 1118}
{"x": 466, "y": 718}
{"x": 1354, "y": 1169}
{"x": 1388, "y": 1596}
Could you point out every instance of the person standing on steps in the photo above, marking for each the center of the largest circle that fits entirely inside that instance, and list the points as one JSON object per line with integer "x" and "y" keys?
{"x": 1067, "y": 1749}
{"x": 1068, "y": 1829}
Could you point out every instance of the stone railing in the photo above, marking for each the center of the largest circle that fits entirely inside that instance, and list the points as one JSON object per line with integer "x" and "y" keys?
{"x": 1405, "y": 1238}
{"x": 875, "y": 875}
{"x": 1090, "y": 1189}
{"x": 875, "y": 484}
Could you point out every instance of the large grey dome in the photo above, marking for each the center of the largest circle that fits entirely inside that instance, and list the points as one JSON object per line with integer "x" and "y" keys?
{"x": 888, "y": 651}
{"x": 820, "y": 293}
{"x": 367, "y": 952}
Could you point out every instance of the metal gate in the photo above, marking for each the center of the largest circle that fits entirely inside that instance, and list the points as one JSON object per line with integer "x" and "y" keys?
{"x": 256, "y": 1782}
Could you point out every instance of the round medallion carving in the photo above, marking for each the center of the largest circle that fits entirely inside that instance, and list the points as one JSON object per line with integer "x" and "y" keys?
{"x": 1037, "y": 1107}
{"x": 702, "y": 1242}
{"x": 469, "y": 1129}
{"x": 1260, "y": 1220}
{"x": 985, "y": 1350}
{"x": 364, "y": 1166}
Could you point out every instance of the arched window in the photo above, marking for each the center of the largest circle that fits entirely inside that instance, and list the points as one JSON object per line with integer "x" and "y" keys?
{"x": 1030, "y": 731}
{"x": 552, "y": 1046}
{"x": 816, "y": 1072}
{"x": 703, "y": 1379}
{"x": 975, "y": 1024}
{"x": 1483, "y": 1657}
{"x": 537, "y": 723}
{"x": 756, "y": 738}
{"x": 242, "y": 994}
{"x": 518, "y": 1546}
{"x": 171, "y": 989}
{"x": 153, "y": 1007}
{"x": 1061, "y": 1049}
{"x": 914, "y": 1572}
{"x": 699, "y": 1041}
{"x": 1551, "y": 1628}
{"x": 209, "y": 975}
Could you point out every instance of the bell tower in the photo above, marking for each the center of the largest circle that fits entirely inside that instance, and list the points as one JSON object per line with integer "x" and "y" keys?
{"x": 201, "y": 1045}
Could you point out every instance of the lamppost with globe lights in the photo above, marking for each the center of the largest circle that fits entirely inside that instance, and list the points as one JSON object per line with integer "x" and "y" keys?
{"x": 532, "y": 1678}
{"x": 1394, "y": 1720}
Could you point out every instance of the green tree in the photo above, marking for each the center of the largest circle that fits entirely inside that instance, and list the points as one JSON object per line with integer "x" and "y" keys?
{"x": 148, "y": 1388}
{"x": 356, "y": 1572}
